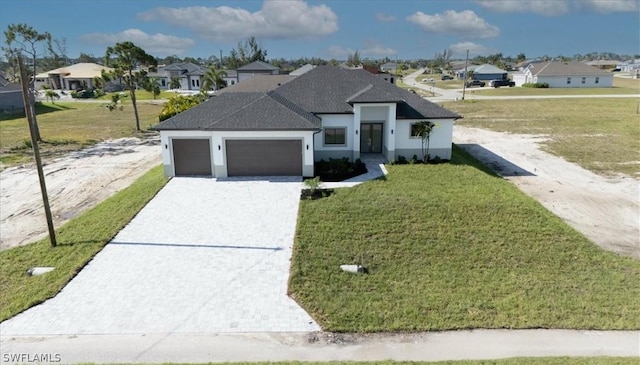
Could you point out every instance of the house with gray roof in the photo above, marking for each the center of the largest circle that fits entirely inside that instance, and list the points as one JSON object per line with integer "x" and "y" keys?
{"x": 559, "y": 74}
{"x": 256, "y": 68}
{"x": 327, "y": 112}
{"x": 188, "y": 74}
{"x": 11, "y": 100}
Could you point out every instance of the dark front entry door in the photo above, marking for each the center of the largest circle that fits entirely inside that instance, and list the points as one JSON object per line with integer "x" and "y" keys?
{"x": 371, "y": 138}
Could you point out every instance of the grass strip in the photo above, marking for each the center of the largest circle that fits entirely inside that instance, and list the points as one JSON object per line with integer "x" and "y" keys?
{"x": 78, "y": 241}
{"x": 452, "y": 247}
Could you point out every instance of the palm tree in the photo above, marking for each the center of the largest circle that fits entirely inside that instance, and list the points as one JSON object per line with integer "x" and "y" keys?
{"x": 423, "y": 130}
{"x": 213, "y": 79}
{"x": 174, "y": 83}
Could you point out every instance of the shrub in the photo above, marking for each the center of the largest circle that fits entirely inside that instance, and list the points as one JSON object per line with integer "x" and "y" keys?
{"x": 537, "y": 85}
{"x": 338, "y": 169}
{"x": 401, "y": 160}
{"x": 83, "y": 94}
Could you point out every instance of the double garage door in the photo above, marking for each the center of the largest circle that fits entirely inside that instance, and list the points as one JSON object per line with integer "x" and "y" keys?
{"x": 192, "y": 157}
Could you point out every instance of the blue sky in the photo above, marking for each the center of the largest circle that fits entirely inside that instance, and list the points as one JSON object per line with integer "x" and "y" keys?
{"x": 407, "y": 29}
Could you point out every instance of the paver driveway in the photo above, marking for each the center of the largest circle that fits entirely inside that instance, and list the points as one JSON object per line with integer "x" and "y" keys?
{"x": 204, "y": 256}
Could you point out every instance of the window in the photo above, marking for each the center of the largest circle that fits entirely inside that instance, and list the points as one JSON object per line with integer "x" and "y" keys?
{"x": 195, "y": 83}
{"x": 597, "y": 80}
{"x": 414, "y": 131}
{"x": 163, "y": 82}
{"x": 568, "y": 80}
{"x": 584, "y": 80}
{"x": 335, "y": 136}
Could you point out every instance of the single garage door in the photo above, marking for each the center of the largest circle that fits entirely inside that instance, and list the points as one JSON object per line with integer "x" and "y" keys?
{"x": 192, "y": 157}
{"x": 264, "y": 157}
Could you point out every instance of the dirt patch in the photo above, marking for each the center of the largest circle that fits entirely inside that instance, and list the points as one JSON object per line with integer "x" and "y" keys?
{"x": 75, "y": 183}
{"x": 605, "y": 210}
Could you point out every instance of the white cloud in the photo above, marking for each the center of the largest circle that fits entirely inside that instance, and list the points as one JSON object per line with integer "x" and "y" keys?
{"x": 372, "y": 48}
{"x": 292, "y": 19}
{"x": 465, "y": 23}
{"x": 460, "y": 49}
{"x": 609, "y": 6}
{"x": 152, "y": 43}
{"x": 340, "y": 52}
{"x": 544, "y": 7}
{"x": 385, "y": 18}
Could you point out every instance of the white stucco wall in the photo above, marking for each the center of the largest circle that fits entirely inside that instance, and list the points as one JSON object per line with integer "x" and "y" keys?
{"x": 439, "y": 141}
{"x": 576, "y": 81}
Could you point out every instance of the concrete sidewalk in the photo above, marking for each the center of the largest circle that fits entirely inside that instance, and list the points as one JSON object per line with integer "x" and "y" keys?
{"x": 437, "y": 346}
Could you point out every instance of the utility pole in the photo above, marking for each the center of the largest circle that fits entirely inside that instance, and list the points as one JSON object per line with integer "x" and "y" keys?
{"x": 221, "y": 65}
{"x": 36, "y": 149}
{"x": 464, "y": 79}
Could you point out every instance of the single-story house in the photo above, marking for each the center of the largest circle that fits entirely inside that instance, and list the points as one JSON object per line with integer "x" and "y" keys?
{"x": 560, "y": 74}
{"x": 328, "y": 112}
{"x": 230, "y": 77}
{"x": 189, "y": 74}
{"x": 489, "y": 72}
{"x": 10, "y": 96}
{"x": 630, "y": 66}
{"x": 603, "y": 64}
{"x": 389, "y": 67}
{"x": 256, "y": 68}
{"x": 75, "y": 77}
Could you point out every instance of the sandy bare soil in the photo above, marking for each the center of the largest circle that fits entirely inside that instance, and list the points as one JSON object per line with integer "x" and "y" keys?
{"x": 75, "y": 183}
{"x": 605, "y": 210}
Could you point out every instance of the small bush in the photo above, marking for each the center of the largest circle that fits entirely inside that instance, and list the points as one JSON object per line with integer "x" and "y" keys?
{"x": 401, "y": 160}
{"x": 83, "y": 94}
{"x": 537, "y": 85}
{"x": 338, "y": 169}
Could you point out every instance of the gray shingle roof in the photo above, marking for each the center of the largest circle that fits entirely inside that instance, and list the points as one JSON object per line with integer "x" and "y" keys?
{"x": 258, "y": 66}
{"x": 556, "y": 68}
{"x": 328, "y": 90}
{"x": 258, "y": 83}
{"x": 243, "y": 111}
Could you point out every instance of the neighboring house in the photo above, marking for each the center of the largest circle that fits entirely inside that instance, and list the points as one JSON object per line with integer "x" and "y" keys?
{"x": 10, "y": 96}
{"x": 230, "y": 77}
{"x": 256, "y": 68}
{"x": 302, "y": 70}
{"x": 75, "y": 77}
{"x": 389, "y": 67}
{"x": 630, "y": 66}
{"x": 328, "y": 112}
{"x": 489, "y": 72}
{"x": 603, "y": 64}
{"x": 381, "y": 74}
{"x": 559, "y": 74}
{"x": 258, "y": 83}
{"x": 189, "y": 74}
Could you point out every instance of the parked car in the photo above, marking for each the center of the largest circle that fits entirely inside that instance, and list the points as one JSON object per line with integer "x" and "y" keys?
{"x": 498, "y": 83}
{"x": 446, "y": 77}
{"x": 473, "y": 83}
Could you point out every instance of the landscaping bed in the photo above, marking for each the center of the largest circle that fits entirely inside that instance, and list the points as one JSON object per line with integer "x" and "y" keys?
{"x": 339, "y": 169}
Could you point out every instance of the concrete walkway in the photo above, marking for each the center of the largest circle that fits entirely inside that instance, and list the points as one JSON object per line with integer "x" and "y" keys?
{"x": 436, "y": 346}
{"x": 204, "y": 256}
{"x": 375, "y": 170}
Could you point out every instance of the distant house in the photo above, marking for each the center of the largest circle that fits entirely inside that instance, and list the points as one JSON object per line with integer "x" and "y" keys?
{"x": 10, "y": 96}
{"x": 189, "y": 75}
{"x": 75, "y": 77}
{"x": 389, "y": 67}
{"x": 256, "y": 68}
{"x": 559, "y": 74}
{"x": 489, "y": 72}
{"x": 631, "y": 66}
{"x": 302, "y": 70}
{"x": 230, "y": 77}
{"x": 603, "y": 64}
{"x": 386, "y": 76}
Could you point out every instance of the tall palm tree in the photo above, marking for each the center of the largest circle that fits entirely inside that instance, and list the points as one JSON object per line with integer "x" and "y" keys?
{"x": 213, "y": 79}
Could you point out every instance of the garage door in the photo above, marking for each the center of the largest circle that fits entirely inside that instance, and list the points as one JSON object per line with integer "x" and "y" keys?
{"x": 264, "y": 157}
{"x": 192, "y": 157}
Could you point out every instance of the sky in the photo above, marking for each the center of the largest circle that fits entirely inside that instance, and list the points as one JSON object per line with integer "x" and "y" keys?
{"x": 291, "y": 29}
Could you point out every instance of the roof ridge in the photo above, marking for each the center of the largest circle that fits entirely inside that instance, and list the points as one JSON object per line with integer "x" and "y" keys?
{"x": 239, "y": 109}
{"x": 294, "y": 107}
{"x": 358, "y": 93}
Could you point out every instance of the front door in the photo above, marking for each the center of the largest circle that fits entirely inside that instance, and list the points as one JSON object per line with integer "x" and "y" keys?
{"x": 371, "y": 138}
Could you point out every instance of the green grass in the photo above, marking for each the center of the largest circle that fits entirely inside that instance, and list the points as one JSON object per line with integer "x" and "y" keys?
{"x": 70, "y": 126}
{"x": 452, "y": 247}
{"x": 602, "y": 135}
{"x": 140, "y": 96}
{"x": 78, "y": 241}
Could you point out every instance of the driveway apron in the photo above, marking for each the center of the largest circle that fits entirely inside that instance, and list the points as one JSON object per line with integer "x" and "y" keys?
{"x": 204, "y": 256}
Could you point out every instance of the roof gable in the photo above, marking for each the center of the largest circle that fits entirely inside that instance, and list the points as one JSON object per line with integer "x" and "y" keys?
{"x": 243, "y": 111}
{"x": 257, "y": 66}
{"x": 488, "y": 69}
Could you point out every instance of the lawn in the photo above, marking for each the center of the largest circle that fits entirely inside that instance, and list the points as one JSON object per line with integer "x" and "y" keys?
{"x": 601, "y": 135}
{"x": 452, "y": 246}
{"x": 78, "y": 241}
{"x": 70, "y": 126}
